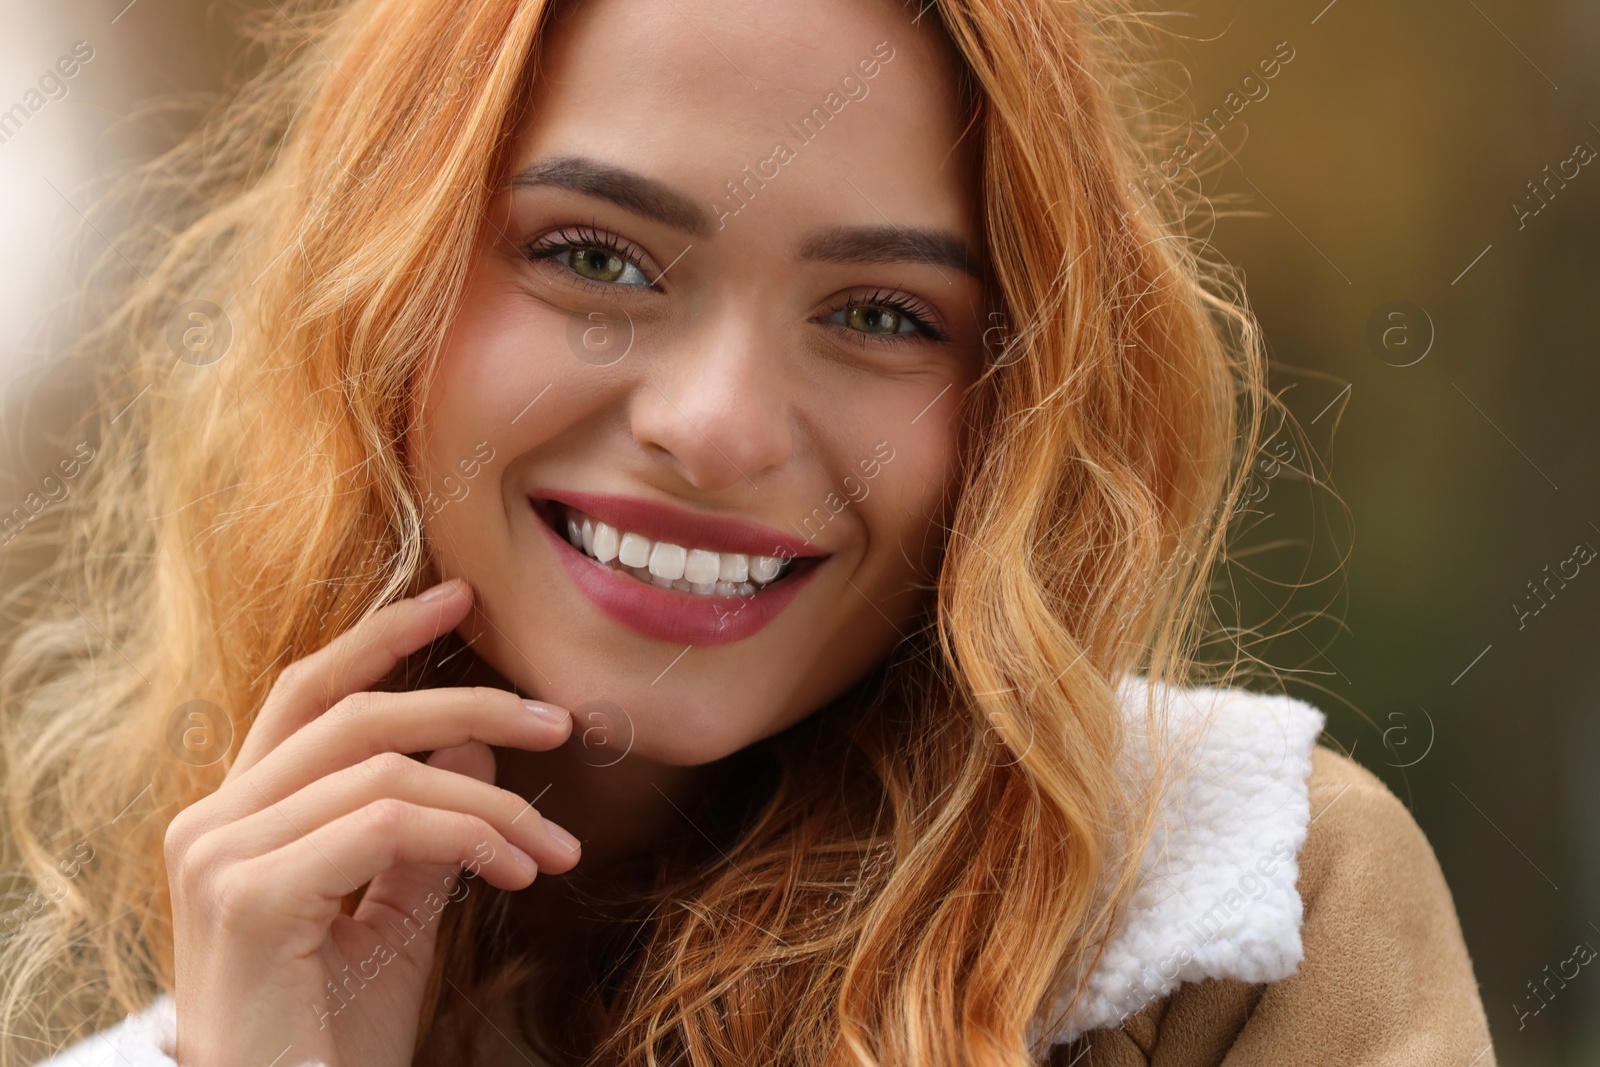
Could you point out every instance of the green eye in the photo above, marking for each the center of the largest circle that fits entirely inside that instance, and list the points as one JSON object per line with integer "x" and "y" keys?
{"x": 598, "y": 264}
{"x": 870, "y": 319}
{"x": 887, "y": 317}
{"x": 602, "y": 264}
{"x": 594, "y": 263}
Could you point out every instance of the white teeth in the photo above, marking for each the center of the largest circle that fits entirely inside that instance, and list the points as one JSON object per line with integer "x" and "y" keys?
{"x": 700, "y": 571}
{"x": 635, "y": 550}
{"x": 702, "y": 566}
{"x": 667, "y": 559}
{"x": 605, "y": 543}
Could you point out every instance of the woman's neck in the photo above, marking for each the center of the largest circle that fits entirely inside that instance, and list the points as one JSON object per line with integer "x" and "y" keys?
{"x": 618, "y": 806}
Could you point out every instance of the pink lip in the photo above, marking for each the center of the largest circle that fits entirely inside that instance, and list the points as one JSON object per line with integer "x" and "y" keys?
{"x": 668, "y": 614}
{"x": 661, "y": 522}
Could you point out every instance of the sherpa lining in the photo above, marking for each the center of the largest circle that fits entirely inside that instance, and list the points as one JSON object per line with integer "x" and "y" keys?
{"x": 1215, "y": 895}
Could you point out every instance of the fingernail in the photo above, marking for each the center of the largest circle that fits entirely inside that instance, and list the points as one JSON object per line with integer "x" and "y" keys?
{"x": 437, "y": 592}
{"x": 562, "y": 838}
{"x": 545, "y": 711}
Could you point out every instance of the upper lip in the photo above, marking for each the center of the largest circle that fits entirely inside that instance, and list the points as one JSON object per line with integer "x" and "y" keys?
{"x": 663, "y": 522}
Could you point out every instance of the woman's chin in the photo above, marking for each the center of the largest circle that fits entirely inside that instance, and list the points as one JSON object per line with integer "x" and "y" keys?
{"x": 652, "y": 727}
{"x": 682, "y": 706}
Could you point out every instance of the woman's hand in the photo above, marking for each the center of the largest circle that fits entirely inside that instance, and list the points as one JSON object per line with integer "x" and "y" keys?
{"x": 321, "y": 801}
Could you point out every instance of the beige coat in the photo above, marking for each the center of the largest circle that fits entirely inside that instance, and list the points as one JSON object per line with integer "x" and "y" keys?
{"x": 1386, "y": 980}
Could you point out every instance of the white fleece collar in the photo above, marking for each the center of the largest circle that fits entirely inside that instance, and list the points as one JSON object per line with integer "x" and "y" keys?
{"x": 1215, "y": 896}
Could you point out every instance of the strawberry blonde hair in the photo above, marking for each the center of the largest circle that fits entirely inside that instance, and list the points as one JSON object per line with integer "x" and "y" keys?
{"x": 915, "y": 890}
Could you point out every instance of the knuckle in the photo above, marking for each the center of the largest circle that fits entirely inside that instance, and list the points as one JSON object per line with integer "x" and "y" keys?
{"x": 293, "y": 677}
{"x": 525, "y": 812}
{"x": 478, "y": 829}
{"x": 355, "y": 706}
{"x": 195, "y": 865}
{"x": 387, "y": 815}
{"x": 178, "y": 837}
{"x": 388, "y": 768}
{"x": 198, "y": 869}
{"x": 234, "y": 901}
{"x": 184, "y": 832}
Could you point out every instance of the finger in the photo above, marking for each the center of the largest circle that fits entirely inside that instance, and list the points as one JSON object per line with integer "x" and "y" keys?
{"x": 355, "y": 660}
{"x": 407, "y": 893}
{"x": 338, "y": 858}
{"x": 366, "y": 724}
{"x": 393, "y": 776}
{"x": 473, "y": 759}
{"x": 404, "y": 901}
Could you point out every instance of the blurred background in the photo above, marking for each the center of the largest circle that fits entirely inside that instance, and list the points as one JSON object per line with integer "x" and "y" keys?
{"x": 1412, "y": 198}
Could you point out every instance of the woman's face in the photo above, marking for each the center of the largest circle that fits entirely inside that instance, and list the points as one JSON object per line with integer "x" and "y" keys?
{"x": 724, "y": 313}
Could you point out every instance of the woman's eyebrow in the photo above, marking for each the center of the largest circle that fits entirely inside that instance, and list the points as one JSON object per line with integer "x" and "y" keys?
{"x": 890, "y": 244}
{"x": 659, "y": 202}
{"x": 633, "y": 192}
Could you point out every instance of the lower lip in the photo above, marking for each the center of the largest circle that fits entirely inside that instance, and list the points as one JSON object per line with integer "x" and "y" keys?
{"x": 669, "y": 614}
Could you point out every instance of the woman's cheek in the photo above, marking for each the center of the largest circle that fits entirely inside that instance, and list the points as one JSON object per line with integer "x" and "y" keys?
{"x": 906, "y": 475}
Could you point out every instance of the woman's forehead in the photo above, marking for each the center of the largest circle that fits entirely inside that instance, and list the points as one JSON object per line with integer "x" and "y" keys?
{"x": 843, "y": 97}
{"x": 729, "y": 49}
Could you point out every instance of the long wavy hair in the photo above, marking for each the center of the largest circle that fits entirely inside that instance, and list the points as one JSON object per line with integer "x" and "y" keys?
{"x": 920, "y": 890}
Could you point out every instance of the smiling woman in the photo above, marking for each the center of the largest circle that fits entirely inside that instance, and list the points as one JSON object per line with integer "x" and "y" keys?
{"x": 853, "y": 661}
{"x": 765, "y": 360}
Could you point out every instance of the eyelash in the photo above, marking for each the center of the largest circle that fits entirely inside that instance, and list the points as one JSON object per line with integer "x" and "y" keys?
{"x": 921, "y": 314}
{"x": 571, "y": 238}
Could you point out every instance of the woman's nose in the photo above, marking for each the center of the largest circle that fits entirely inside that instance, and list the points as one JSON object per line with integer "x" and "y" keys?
{"x": 714, "y": 404}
